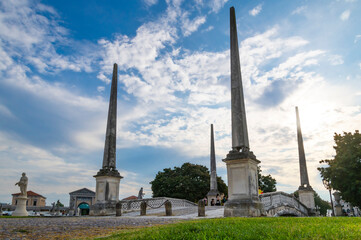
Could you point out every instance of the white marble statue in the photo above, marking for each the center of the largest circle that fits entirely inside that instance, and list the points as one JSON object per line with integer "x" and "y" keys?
{"x": 23, "y": 184}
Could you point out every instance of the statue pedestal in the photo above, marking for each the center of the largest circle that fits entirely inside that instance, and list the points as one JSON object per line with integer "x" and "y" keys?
{"x": 306, "y": 197}
{"x": 212, "y": 195}
{"x": 338, "y": 210}
{"x": 243, "y": 200}
{"x": 21, "y": 207}
{"x": 106, "y": 195}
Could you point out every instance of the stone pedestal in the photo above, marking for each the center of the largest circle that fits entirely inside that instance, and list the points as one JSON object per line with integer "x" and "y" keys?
{"x": 306, "y": 197}
{"x": 338, "y": 211}
{"x": 118, "y": 209}
{"x": 143, "y": 208}
{"x": 21, "y": 207}
{"x": 168, "y": 208}
{"x": 106, "y": 196}
{"x": 201, "y": 209}
{"x": 243, "y": 200}
{"x": 212, "y": 195}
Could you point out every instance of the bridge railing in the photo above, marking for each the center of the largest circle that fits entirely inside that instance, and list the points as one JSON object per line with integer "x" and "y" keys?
{"x": 275, "y": 199}
{"x": 132, "y": 205}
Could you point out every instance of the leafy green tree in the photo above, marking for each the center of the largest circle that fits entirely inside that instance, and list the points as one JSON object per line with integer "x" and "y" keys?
{"x": 59, "y": 204}
{"x": 322, "y": 204}
{"x": 344, "y": 171}
{"x": 190, "y": 181}
{"x": 266, "y": 182}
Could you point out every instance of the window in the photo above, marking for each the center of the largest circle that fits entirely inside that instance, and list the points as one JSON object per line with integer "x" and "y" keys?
{"x": 16, "y": 202}
{"x": 34, "y": 202}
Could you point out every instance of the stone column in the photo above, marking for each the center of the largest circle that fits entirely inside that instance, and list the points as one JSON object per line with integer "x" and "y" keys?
{"x": 305, "y": 191}
{"x": 143, "y": 208}
{"x": 118, "y": 209}
{"x": 201, "y": 208}
{"x": 213, "y": 192}
{"x": 243, "y": 200}
{"x": 108, "y": 177}
{"x": 168, "y": 208}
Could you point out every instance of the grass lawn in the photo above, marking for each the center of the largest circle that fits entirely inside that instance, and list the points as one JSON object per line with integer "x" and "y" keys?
{"x": 251, "y": 228}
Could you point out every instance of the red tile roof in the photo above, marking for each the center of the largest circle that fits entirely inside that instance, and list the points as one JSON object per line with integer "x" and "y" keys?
{"x": 130, "y": 198}
{"x": 29, "y": 193}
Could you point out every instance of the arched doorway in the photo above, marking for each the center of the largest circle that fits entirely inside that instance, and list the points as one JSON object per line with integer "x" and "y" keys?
{"x": 83, "y": 209}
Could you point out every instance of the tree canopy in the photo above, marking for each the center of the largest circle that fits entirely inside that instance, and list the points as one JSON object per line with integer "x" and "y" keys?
{"x": 190, "y": 181}
{"x": 344, "y": 171}
{"x": 266, "y": 182}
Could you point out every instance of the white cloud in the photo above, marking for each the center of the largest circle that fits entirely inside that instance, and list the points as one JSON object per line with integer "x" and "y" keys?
{"x": 357, "y": 37}
{"x": 216, "y": 5}
{"x": 191, "y": 25}
{"x": 360, "y": 65}
{"x": 299, "y": 10}
{"x": 255, "y": 11}
{"x": 345, "y": 15}
{"x": 6, "y": 112}
{"x": 150, "y": 2}
{"x": 25, "y": 31}
{"x": 336, "y": 60}
{"x": 210, "y": 28}
{"x": 100, "y": 88}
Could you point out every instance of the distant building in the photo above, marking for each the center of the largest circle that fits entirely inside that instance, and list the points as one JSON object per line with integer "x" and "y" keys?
{"x": 80, "y": 200}
{"x": 349, "y": 210}
{"x": 34, "y": 199}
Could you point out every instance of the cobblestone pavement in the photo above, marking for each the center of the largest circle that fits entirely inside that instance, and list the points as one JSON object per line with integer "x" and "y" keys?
{"x": 72, "y": 227}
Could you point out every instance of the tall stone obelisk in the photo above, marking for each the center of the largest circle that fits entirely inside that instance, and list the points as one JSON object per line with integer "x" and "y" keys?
{"x": 212, "y": 194}
{"x": 243, "y": 200}
{"x": 305, "y": 191}
{"x": 108, "y": 177}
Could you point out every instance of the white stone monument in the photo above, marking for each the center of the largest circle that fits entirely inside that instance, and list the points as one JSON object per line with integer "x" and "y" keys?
{"x": 108, "y": 177}
{"x": 21, "y": 200}
{"x": 305, "y": 191}
{"x": 243, "y": 200}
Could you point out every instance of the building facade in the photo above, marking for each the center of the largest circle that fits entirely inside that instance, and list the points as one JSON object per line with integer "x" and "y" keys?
{"x": 80, "y": 201}
{"x": 34, "y": 199}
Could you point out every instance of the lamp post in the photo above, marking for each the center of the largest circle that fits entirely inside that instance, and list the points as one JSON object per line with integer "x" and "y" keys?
{"x": 327, "y": 185}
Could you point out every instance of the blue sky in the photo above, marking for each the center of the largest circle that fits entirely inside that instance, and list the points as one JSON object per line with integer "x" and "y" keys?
{"x": 56, "y": 60}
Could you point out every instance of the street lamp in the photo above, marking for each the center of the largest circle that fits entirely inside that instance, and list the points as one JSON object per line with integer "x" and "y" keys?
{"x": 327, "y": 185}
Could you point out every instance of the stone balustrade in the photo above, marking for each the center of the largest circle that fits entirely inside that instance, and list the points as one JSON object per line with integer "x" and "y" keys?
{"x": 281, "y": 203}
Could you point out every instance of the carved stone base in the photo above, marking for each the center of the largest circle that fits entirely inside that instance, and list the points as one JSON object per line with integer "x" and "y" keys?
{"x": 243, "y": 208}
{"x": 103, "y": 209}
{"x": 307, "y": 198}
{"x": 107, "y": 188}
{"x": 243, "y": 200}
{"x": 212, "y": 195}
{"x": 21, "y": 207}
{"x": 338, "y": 210}
{"x": 106, "y": 194}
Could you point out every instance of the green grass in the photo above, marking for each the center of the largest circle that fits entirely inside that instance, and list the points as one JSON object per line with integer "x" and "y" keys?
{"x": 251, "y": 228}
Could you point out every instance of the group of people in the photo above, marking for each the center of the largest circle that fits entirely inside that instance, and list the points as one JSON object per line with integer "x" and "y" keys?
{"x": 219, "y": 201}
